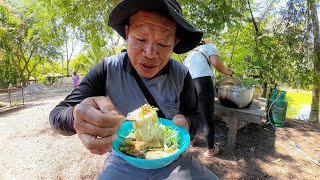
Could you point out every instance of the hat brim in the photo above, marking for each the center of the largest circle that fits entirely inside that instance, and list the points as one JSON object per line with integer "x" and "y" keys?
{"x": 188, "y": 35}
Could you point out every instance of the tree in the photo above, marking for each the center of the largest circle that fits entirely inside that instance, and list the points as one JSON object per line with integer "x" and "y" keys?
{"x": 87, "y": 22}
{"x": 29, "y": 40}
{"x": 8, "y": 24}
{"x": 314, "y": 114}
{"x": 213, "y": 16}
{"x": 35, "y": 41}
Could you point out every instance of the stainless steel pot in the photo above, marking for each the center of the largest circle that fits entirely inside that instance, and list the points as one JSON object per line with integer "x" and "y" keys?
{"x": 231, "y": 93}
{"x": 230, "y": 80}
{"x": 235, "y": 96}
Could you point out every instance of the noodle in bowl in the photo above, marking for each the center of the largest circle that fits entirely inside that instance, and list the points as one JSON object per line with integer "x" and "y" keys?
{"x": 154, "y": 162}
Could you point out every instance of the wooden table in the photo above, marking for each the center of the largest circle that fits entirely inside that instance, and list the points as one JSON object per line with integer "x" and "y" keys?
{"x": 238, "y": 118}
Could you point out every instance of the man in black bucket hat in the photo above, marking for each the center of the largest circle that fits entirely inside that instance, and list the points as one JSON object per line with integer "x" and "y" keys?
{"x": 187, "y": 34}
{"x": 153, "y": 30}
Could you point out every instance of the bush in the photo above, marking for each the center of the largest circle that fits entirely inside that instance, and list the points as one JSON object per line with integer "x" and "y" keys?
{"x": 47, "y": 80}
{"x": 2, "y": 105}
{"x": 251, "y": 81}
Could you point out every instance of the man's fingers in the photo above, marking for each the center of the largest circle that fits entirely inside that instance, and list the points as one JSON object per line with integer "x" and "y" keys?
{"x": 87, "y": 128}
{"x": 180, "y": 120}
{"x": 104, "y": 104}
{"x": 97, "y": 118}
{"x": 95, "y": 144}
{"x": 114, "y": 112}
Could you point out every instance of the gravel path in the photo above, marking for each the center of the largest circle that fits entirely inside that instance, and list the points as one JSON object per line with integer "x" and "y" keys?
{"x": 31, "y": 150}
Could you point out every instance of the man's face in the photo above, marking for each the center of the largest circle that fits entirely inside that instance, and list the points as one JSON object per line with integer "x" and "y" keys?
{"x": 150, "y": 42}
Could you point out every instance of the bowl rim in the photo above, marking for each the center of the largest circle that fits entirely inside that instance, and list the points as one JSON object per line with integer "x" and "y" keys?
{"x": 171, "y": 157}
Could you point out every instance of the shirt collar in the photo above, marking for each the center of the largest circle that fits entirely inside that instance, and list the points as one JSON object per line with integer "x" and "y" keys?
{"x": 127, "y": 66}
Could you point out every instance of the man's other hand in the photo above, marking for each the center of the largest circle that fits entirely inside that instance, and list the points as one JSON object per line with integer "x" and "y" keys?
{"x": 96, "y": 122}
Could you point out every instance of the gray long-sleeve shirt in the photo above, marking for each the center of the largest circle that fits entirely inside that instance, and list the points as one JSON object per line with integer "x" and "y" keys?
{"x": 173, "y": 91}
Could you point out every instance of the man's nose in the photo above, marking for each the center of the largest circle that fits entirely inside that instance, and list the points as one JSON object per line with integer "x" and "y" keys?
{"x": 150, "y": 50}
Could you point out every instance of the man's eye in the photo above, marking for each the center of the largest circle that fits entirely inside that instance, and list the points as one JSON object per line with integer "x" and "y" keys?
{"x": 142, "y": 40}
{"x": 162, "y": 45}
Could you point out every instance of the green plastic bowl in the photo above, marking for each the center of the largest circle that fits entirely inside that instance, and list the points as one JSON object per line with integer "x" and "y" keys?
{"x": 127, "y": 126}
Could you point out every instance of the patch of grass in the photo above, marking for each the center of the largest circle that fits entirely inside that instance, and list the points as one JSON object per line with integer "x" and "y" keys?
{"x": 296, "y": 101}
{"x": 14, "y": 102}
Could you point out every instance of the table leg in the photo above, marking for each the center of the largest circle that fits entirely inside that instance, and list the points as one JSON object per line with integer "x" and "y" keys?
{"x": 232, "y": 133}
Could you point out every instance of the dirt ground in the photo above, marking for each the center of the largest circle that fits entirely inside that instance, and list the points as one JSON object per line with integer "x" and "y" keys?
{"x": 31, "y": 150}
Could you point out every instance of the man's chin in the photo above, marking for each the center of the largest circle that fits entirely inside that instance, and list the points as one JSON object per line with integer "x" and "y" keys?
{"x": 147, "y": 75}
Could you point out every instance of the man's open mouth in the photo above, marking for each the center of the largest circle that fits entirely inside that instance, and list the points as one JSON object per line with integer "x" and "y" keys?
{"x": 147, "y": 66}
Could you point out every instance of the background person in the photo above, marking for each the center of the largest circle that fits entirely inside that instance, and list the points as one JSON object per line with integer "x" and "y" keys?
{"x": 110, "y": 90}
{"x": 75, "y": 79}
{"x": 200, "y": 62}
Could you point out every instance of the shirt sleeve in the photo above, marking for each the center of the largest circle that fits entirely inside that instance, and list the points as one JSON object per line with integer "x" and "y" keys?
{"x": 189, "y": 106}
{"x": 61, "y": 117}
{"x": 213, "y": 50}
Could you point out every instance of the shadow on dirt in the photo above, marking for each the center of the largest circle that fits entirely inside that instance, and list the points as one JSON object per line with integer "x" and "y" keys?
{"x": 15, "y": 109}
{"x": 254, "y": 153}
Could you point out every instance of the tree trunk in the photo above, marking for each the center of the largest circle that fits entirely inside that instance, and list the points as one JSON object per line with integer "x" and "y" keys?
{"x": 68, "y": 68}
{"x": 62, "y": 65}
{"x": 314, "y": 114}
{"x": 264, "y": 89}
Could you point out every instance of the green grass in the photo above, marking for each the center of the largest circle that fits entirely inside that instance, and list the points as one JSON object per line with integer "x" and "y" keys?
{"x": 296, "y": 101}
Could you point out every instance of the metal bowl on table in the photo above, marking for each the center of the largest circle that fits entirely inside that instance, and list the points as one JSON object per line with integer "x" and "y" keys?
{"x": 231, "y": 93}
{"x": 235, "y": 96}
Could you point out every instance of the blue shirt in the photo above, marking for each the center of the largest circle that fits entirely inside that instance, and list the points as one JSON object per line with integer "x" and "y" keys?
{"x": 198, "y": 64}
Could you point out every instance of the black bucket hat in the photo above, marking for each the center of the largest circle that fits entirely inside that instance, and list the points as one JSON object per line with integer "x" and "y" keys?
{"x": 188, "y": 35}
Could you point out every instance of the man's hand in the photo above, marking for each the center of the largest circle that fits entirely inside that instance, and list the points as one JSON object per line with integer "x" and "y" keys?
{"x": 180, "y": 120}
{"x": 229, "y": 71}
{"x": 96, "y": 122}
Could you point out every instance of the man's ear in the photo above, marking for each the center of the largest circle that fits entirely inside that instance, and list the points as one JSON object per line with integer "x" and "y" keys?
{"x": 126, "y": 28}
{"x": 177, "y": 41}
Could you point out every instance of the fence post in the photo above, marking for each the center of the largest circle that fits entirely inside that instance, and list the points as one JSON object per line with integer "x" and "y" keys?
{"x": 22, "y": 96}
{"x": 9, "y": 97}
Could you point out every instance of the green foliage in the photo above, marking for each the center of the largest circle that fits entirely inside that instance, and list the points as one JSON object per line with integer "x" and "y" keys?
{"x": 82, "y": 63}
{"x": 251, "y": 81}
{"x": 28, "y": 39}
{"x": 281, "y": 50}
{"x": 179, "y": 57}
{"x": 8, "y": 73}
{"x": 45, "y": 72}
{"x": 8, "y": 24}
{"x": 213, "y": 16}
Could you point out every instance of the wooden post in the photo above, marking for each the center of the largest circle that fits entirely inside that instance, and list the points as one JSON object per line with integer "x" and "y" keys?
{"x": 22, "y": 96}
{"x": 9, "y": 97}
